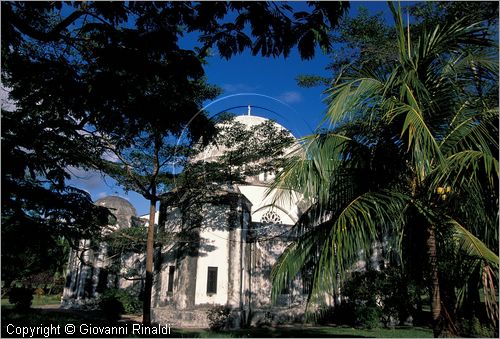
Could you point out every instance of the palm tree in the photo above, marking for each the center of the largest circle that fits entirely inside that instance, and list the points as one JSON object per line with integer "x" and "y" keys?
{"x": 412, "y": 147}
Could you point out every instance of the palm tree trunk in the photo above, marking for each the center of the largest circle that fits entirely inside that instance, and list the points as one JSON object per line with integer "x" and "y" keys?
{"x": 434, "y": 278}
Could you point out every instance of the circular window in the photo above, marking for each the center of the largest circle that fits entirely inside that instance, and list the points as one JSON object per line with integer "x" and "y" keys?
{"x": 270, "y": 217}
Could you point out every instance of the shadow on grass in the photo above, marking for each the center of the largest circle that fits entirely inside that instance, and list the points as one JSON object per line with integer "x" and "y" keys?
{"x": 276, "y": 332}
{"x": 47, "y": 317}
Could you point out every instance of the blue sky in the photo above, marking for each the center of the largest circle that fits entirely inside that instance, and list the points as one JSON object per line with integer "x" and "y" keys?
{"x": 255, "y": 81}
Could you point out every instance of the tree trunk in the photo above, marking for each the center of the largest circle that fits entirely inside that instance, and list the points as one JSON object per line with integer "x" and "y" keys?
{"x": 148, "y": 285}
{"x": 434, "y": 279}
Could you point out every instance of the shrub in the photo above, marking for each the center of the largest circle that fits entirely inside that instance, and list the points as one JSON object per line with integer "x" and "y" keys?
{"x": 342, "y": 314}
{"x": 112, "y": 308}
{"x": 21, "y": 297}
{"x": 115, "y": 302}
{"x": 39, "y": 292}
{"x": 474, "y": 328}
{"x": 218, "y": 317}
{"x": 369, "y": 316}
{"x": 375, "y": 296}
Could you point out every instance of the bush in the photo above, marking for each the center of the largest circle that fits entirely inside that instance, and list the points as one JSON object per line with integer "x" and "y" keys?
{"x": 377, "y": 296}
{"x": 352, "y": 314}
{"x": 218, "y": 317}
{"x": 342, "y": 314}
{"x": 115, "y": 302}
{"x": 474, "y": 328}
{"x": 39, "y": 292}
{"x": 369, "y": 316}
{"x": 21, "y": 297}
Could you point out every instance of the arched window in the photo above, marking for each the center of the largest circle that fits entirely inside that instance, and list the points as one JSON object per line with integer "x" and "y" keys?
{"x": 271, "y": 217}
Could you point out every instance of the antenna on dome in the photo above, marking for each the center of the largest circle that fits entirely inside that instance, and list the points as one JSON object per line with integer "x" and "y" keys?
{"x": 249, "y": 110}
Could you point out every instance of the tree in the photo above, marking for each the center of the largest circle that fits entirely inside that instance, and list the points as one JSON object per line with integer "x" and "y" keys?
{"x": 145, "y": 167}
{"x": 413, "y": 149}
{"x": 80, "y": 71}
{"x": 369, "y": 39}
{"x": 237, "y": 154}
{"x": 37, "y": 207}
{"x": 363, "y": 39}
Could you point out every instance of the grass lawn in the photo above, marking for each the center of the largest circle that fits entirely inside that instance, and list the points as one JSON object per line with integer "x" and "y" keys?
{"x": 36, "y": 317}
{"x": 39, "y": 300}
{"x": 315, "y": 332}
{"x": 46, "y": 300}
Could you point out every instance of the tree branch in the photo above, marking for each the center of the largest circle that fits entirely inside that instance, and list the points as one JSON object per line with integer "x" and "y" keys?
{"x": 52, "y": 35}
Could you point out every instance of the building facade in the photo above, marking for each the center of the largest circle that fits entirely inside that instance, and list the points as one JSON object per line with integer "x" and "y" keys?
{"x": 222, "y": 254}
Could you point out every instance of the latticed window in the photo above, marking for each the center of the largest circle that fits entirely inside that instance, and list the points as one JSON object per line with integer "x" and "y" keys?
{"x": 271, "y": 217}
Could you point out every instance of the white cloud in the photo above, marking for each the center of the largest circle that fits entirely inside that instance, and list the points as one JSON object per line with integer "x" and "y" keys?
{"x": 89, "y": 180}
{"x": 290, "y": 97}
{"x": 239, "y": 87}
{"x": 7, "y": 103}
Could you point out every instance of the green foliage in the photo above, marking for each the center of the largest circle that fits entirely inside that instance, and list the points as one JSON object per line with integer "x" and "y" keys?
{"x": 376, "y": 297}
{"x": 79, "y": 73}
{"x": 475, "y": 329}
{"x": 429, "y": 13}
{"x": 369, "y": 316}
{"x": 241, "y": 152}
{"x": 368, "y": 40}
{"x": 218, "y": 317}
{"x": 21, "y": 297}
{"x": 40, "y": 261}
{"x": 127, "y": 240}
{"x": 115, "y": 302}
{"x": 400, "y": 138}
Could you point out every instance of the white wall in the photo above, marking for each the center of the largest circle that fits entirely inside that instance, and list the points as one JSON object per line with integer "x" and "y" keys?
{"x": 257, "y": 196}
{"x": 146, "y": 217}
{"x": 213, "y": 252}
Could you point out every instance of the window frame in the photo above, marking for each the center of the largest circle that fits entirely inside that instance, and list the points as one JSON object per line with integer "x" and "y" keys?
{"x": 212, "y": 272}
{"x": 170, "y": 283}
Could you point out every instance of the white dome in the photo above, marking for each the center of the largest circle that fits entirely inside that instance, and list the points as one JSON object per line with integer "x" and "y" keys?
{"x": 252, "y": 120}
{"x": 212, "y": 152}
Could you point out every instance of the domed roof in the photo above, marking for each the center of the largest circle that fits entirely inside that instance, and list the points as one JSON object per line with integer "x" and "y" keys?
{"x": 121, "y": 208}
{"x": 212, "y": 152}
{"x": 252, "y": 120}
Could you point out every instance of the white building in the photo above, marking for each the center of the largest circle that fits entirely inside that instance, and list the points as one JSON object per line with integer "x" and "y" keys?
{"x": 228, "y": 241}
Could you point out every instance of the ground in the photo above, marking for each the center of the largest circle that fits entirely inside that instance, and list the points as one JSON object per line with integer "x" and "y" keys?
{"x": 46, "y": 314}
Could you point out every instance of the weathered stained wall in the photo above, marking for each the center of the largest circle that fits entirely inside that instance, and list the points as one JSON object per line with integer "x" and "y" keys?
{"x": 88, "y": 266}
{"x": 222, "y": 233}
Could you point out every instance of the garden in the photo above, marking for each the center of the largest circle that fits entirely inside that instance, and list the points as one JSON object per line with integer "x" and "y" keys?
{"x": 402, "y": 160}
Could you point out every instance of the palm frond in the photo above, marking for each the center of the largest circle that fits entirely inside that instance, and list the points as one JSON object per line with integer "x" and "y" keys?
{"x": 465, "y": 167}
{"x": 490, "y": 294}
{"x": 337, "y": 243}
{"x": 309, "y": 170}
{"x": 352, "y": 99}
{"x": 471, "y": 129}
{"x": 471, "y": 245}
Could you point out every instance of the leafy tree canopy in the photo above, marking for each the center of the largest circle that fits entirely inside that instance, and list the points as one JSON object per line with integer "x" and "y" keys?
{"x": 412, "y": 155}
{"x": 81, "y": 71}
{"x": 367, "y": 39}
{"x": 238, "y": 153}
